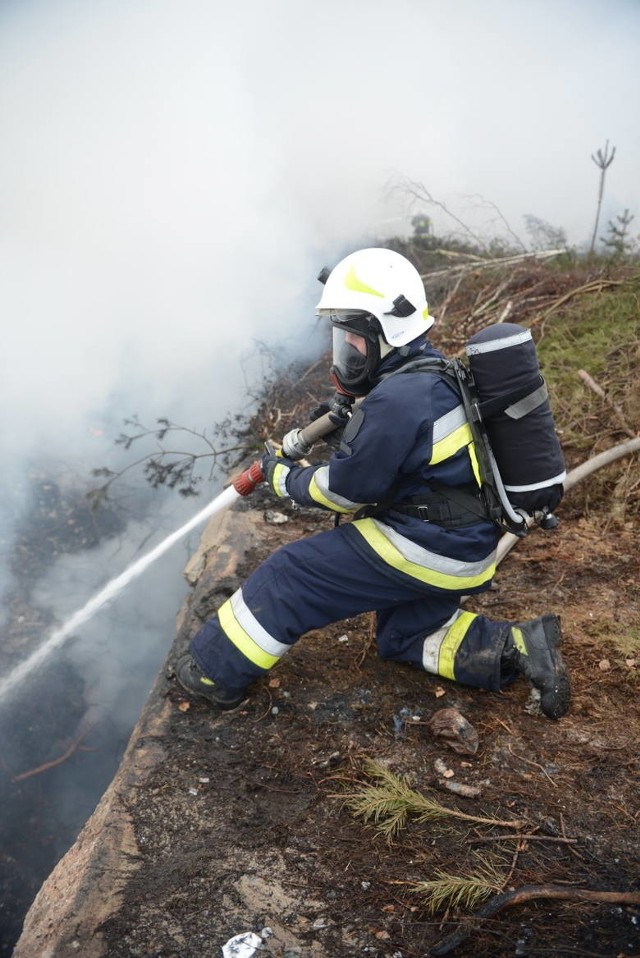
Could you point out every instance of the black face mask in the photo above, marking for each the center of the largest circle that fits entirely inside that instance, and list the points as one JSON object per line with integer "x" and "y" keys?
{"x": 354, "y": 365}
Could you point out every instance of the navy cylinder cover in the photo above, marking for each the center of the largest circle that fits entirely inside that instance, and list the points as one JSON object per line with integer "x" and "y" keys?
{"x": 504, "y": 363}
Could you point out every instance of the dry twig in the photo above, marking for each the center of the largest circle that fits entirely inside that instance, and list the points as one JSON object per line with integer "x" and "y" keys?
{"x": 599, "y": 391}
{"x": 524, "y": 838}
{"x": 595, "y": 286}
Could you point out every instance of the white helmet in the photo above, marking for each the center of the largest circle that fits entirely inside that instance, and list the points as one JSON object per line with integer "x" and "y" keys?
{"x": 385, "y": 285}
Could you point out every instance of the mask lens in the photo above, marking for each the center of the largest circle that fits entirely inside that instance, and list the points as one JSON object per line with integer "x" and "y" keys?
{"x": 356, "y": 350}
{"x": 349, "y": 355}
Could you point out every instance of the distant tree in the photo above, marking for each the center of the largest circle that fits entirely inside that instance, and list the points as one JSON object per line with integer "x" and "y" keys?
{"x": 618, "y": 241}
{"x": 603, "y": 160}
{"x": 544, "y": 235}
{"x": 419, "y": 195}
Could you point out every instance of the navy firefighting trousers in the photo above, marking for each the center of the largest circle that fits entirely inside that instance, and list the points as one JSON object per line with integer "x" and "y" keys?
{"x": 322, "y": 579}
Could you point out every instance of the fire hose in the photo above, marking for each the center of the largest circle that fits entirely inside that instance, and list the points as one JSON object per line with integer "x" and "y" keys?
{"x": 295, "y": 445}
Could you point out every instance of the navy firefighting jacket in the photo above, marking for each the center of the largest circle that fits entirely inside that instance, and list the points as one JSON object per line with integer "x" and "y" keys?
{"x": 409, "y": 434}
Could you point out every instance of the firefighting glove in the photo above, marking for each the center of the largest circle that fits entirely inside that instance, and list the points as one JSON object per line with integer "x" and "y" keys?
{"x": 339, "y": 410}
{"x": 275, "y": 470}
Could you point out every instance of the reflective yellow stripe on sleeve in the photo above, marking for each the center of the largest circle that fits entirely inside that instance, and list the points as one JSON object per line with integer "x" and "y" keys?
{"x": 321, "y": 493}
{"x": 451, "y": 433}
{"x": 279, "y": 481}
{"x": 451, "y": 643}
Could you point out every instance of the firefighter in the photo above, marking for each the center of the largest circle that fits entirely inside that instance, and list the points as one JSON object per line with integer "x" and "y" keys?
{"x": 418, "y": 539}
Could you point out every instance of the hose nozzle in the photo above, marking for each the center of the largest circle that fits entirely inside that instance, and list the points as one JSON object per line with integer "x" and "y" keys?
{"x": 246, "y": 481}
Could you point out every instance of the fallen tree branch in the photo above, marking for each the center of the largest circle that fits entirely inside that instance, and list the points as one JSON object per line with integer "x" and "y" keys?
{"x": 450, "y": 295}
{"x": 532, "y": 893}
{"x": 489, "y": 303}
{"x": 595, "y": 286}
{"x": 497, "y": 261}
{"x": 599, "y": 391}
{"x": 554, "y": 839}
{"x": 390, "y": 802}
{"x": 75, "y": 745}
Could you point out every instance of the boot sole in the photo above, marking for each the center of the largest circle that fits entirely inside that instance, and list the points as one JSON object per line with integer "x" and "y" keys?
{"x": 555, "y": 702}
{"x": 555, "y": 698}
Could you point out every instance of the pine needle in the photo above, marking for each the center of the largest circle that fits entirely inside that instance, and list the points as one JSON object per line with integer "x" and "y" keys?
{"x": 454, "y": 891}
{"x": 390, "y": 802}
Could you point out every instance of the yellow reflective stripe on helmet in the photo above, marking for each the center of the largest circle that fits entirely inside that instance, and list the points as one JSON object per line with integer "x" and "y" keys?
{"x": 321, "y": 493}
{"x": 451, "y": 643}
{"x": 419, "y": 563}
{"x": 352, "y": 282}
{"x": 242, "y": 629}
{"x": 279, "y": 480}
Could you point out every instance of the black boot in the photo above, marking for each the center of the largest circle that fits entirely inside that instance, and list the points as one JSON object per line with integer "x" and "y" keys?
{"x": 532, "y": 650}
{"x": 193, "y": 680}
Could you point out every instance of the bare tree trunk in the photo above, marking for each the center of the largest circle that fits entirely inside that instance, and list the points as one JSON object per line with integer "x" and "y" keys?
{"x": 602, "y": 161}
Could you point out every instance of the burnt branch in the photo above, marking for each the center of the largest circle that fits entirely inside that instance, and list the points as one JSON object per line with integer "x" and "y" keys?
{"x": 532, "y": 893}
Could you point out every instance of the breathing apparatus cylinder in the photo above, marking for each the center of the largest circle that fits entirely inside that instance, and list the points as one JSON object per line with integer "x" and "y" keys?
{"x": 514, "y": 408}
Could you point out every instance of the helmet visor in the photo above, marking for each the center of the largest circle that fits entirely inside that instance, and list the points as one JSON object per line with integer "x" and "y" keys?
{"x": 356, "y": 349}
{"x": 351, "y": 356}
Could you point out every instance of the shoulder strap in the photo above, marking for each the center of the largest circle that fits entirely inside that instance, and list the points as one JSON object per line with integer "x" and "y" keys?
{"x": 424, "y": 364}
